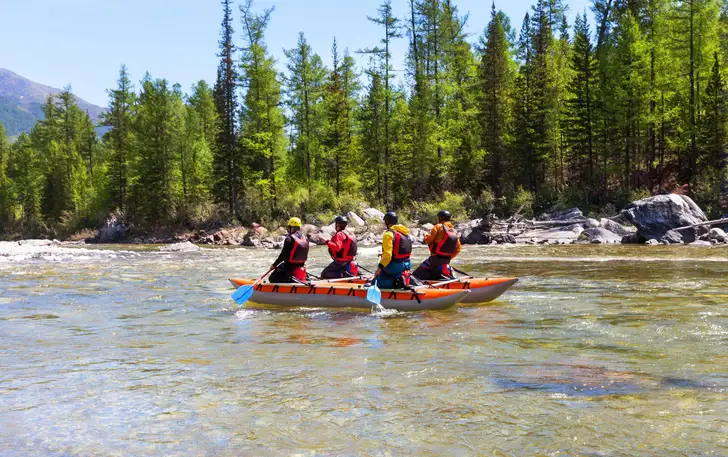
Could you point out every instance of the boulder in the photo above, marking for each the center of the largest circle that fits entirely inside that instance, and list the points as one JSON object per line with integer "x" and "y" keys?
{"x": 308, "y": 229}
{"x": 474, "y": 235}
{"x": 319, "y": 238}
{"x": 652, "y": 242}
{"x": 329, "y": 229}
{"x": 427, "y": 227}
{"x": 591, "y": 223}
{"x": 355, "y": 220}
{"x": 565, "y": 215}
{"x": 672, "y": 237}
{"x": 251, "y": 241}
{"x": 699, "y": 243}
{"x": 366, "y": 239}
{"x": 184, "y": 246}
{"x": 373, "y": 213}
{"x": 615, "y": 227}
{"x": 599, "y": 235}
{"x": 112, "y": 231}
{"x": 504, "y": 239}
{"x": 259, "y": 231}
{"x": 655, "y": 216}
{"x": 632, "y": 238}
{"x": 717, "y": 235}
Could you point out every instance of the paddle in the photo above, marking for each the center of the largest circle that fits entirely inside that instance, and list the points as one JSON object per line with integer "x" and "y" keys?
{"x": 461, "y": 272}
{"x": 243, "y": 293}
{"x": 374, "y": 295}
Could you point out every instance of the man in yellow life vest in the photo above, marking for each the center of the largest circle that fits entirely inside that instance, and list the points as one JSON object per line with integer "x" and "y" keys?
{"x": 394, "y": 267}
{"x": 291, "y": 262}
{"x": 444, "y": 244}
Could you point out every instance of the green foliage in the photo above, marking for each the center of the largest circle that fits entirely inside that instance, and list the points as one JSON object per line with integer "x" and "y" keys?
{"x": 425, "y": 212}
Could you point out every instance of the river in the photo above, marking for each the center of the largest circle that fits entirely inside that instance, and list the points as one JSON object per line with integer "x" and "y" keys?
{"x": 597, "y": 351}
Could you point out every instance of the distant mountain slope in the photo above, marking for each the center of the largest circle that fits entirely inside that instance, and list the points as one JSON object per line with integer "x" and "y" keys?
{"x": 21, "y": 100}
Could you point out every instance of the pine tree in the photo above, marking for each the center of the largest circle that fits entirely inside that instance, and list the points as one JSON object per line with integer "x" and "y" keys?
{"x": 262, "y": 134}
{"x": 579, "y": 127}
{"x": 228, "y": 161}
{"x": 714, "y": 135}
{"x": 158, "y": 129}
{"x": 119, "y": 139}
{"x": 496, "y": 85}
{"x": 391, "y": 26}
{"x": 6, "y": 191}
{"x": 25, "y": 171}
{"x": 372, "y": 119}
{"x": 305, "y": 91}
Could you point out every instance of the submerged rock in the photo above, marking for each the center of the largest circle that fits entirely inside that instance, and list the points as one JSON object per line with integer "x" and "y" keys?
{"x": 184, "y": 246}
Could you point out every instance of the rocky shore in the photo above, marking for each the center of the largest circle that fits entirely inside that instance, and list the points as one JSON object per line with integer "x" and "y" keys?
{"x": 658, "y": 220}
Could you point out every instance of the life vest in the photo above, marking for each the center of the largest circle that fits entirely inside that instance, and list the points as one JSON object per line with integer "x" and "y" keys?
{"x": 445, "y": 247}
{"x": 299, "y": 252}
{"x": 402, "y": 247}
{"x": 348, "y": 250}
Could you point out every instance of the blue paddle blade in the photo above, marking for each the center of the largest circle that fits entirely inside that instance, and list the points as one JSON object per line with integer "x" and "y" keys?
{"x": 243, "y": 294}
{"x": 374, "y": 295}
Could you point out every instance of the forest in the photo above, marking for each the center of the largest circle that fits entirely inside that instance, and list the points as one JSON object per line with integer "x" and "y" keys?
{"x": 594, "y": 113}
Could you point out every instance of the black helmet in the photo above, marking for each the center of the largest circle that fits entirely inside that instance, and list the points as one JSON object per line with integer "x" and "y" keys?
{"x": 444, "y": 215}
{"x": 391, "y": 218}
{"x": 341, "y": 220}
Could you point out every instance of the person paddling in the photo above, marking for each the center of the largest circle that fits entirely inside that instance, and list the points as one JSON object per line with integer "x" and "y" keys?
{"x": 444, "y": 244}
{"x": 342, "y": 249}
{"x": 394, "y": 267}
{"x": 291, "y": 262}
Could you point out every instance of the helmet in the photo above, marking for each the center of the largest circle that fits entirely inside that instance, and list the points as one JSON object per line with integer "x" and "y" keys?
{"x": 444, "y": 215}
{"x": 391, "y": 218}
{"x": 294, "y": 222}
{"x": 341, "y": 220}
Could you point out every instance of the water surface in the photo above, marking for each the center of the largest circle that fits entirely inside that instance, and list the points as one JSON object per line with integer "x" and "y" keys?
{"x": 598, "y": 350}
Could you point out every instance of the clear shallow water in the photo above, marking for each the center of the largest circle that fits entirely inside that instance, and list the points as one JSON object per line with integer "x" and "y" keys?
{"x": 598, "y": 350}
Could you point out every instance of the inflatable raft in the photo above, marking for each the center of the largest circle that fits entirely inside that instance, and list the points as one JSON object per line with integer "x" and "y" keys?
{"x": 338, "y": 295}
{"x": 482, "y": 290}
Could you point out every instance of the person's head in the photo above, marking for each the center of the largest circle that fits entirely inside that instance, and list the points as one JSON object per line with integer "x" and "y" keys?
{"x": 341, "y": 222}
{"x": 294, "y": 224}
{"x": 390, "y": 219}
{"x": 444, "y": 216}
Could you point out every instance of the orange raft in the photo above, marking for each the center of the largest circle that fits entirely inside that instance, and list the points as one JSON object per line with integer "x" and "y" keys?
{"x": 482, "y": 290}
{"x": 337, "y": 295}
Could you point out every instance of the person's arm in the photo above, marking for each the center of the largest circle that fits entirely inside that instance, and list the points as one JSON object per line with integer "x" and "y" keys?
{"x": 335, "y": 244}
{"x": 285, "y": 252}
{"x": 429, "y": 239}
{"x": 387, "y": 242}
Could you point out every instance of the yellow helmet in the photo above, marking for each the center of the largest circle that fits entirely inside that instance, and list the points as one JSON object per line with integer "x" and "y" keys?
{"x": 294, "y": 222}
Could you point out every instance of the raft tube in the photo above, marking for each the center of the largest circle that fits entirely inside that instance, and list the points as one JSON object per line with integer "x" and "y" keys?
{"x": 482, "y": 290}
{"x": 334, "y": 295}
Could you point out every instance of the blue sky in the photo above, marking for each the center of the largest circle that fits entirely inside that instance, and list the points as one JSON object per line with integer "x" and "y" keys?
{"x": 84, "y": 42}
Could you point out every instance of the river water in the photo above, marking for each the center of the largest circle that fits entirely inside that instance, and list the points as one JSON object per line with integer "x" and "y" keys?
{"x": 597, "y": 351}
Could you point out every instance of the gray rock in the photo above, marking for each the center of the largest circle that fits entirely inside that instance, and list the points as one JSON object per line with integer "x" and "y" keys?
{"x": 355, "y": 220}
{"x": 373, "y": 213}
{"x": 251, "y": 242}
{"x": 616, "y": 227}
{"x": 655, "y": 216}
{"x": 308, "y": 229}
{"x": 665, "y": 242}
{"x": 35, "y": 243}
{"x": 718, "y": 235}
{"x": 632, "y": 238}
{"x": 427, "y": 227}
{"x": 319, "y": 238}
{"x": 700, "y": 243}
{"x": 505, "y": 239}
{"x": 113, "y": 230}
{"x": 566, "y": 215}
{"x": 591, "y": 223}
{"x": 329, "y": 229}
{"x": 474, "y": 235}
{"x": 672, "y": 237}
{"x": 603, "y": 235}
{"x": 652, "y": 242}
{"x": 184, "y": 246}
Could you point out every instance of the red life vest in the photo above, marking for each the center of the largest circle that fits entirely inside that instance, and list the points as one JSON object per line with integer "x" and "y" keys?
{"x": 402, "y": 247}
{"x": 348, "y": 250}
{"x": 299, "y": 252}
{"x": 447, "y": 246}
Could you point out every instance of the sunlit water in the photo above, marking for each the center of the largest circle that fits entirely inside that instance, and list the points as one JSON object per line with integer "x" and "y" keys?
{"x": 598, "y": 350}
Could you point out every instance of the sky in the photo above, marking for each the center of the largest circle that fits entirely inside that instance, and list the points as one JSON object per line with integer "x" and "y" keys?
{"x": 84, "y": 42}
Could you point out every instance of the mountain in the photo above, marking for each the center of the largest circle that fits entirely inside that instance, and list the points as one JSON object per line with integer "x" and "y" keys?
{"x": 21, "y": 100}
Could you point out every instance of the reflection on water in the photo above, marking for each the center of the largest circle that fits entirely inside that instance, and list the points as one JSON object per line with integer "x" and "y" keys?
{"x": 598, "y": 350}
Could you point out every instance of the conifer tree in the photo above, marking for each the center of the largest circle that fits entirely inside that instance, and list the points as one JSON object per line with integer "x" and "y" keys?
{"x": 6, "y": 193}
{"x": 228, "y": 162}
{"x": 119, "y": 139}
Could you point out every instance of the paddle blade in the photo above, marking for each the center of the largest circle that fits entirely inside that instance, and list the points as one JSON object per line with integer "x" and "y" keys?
{"x": 243, "y": 294}
{"x": 374, "y": 295}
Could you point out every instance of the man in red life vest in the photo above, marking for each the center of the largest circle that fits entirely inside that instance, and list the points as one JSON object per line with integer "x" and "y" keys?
{"x": 394, "y": 267}
{"x": 291, "y": 262}
{"x": 444, "y": 244}
{"x": 342, "y": 249}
